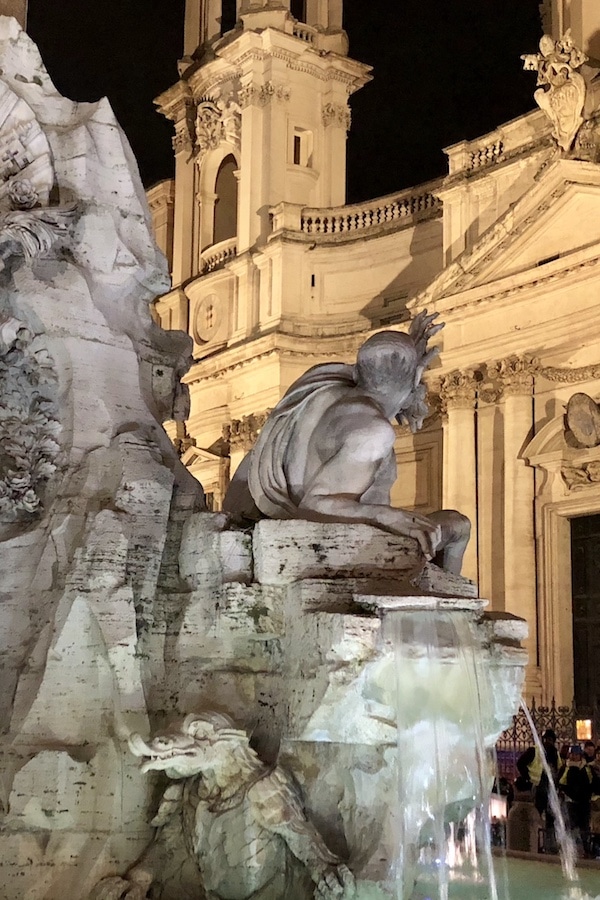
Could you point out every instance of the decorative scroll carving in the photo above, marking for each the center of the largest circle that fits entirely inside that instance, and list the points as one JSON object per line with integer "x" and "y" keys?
{"x": 216, "y": 121}
{"x": 562, "y": 92}
{"x": 28, "y": 422}
{"x": 260, "y": 95}
{"x": 209, "y": 126}
{"x": 515, "y": 373}
{"x": 581, "y": 476}
{"x": 336, "y": 114}
{"x": 458, "y": 389}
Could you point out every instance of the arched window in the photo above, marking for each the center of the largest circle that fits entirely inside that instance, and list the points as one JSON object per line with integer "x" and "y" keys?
{"x": 226, "y": 201}
{"x": 228, "y": 15}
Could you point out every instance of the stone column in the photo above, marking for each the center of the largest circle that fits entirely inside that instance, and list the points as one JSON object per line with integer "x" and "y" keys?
{"x": 458, "y": 392}
{"x": 516, "y": 376}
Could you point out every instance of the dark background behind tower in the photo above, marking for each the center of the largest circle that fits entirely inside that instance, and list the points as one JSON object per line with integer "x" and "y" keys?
{"x": 441, "y": 72}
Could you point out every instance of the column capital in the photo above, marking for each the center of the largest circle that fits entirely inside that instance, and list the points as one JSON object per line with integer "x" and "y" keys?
{"x": 242, "y": 433}
{"x": 514, "y": 373}
{"x": 458, "y": 390}
{"x": 184, "y": 138}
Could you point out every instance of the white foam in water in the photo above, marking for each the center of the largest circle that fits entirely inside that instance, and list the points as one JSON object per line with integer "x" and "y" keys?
{"x": 444, "y": 724}
{"x": 442, "y": 760}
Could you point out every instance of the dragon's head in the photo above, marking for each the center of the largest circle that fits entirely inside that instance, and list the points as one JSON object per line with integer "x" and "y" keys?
{"x": 191, "y": 748}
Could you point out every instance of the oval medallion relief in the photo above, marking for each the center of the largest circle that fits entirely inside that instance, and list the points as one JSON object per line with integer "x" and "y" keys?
{"x": 207, "y": 319}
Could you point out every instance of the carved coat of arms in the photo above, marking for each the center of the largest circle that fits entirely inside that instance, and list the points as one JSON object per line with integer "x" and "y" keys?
{"x": 562, "y": 90}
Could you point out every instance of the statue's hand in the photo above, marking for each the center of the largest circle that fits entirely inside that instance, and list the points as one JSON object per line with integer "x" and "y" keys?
{"x": 116, "y": 888}
{"x": 411, "y": 524}
{"x": 336, "y": 883}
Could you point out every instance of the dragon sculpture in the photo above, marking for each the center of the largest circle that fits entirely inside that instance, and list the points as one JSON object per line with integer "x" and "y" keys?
{"x": 228, "y": 828}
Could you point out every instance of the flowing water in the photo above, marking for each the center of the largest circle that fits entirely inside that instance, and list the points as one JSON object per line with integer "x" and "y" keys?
{"x": 568, "y": 851}
{"x": 444, "y": 769}
{"x": 445, "y": 732}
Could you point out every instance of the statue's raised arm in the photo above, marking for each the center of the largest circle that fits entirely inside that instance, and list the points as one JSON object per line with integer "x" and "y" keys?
{"x": 326, "y": 452}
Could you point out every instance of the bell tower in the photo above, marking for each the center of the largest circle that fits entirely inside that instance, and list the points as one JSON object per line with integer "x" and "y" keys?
{"x": 261, "y": 116}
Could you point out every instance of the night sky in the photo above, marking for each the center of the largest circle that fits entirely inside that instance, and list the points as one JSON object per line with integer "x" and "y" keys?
{"x": 444, "y": 70}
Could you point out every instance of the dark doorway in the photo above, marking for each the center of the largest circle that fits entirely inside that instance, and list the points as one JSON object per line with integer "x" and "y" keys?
{"x": 585, "y": 567}
{"x": 228, "y": 15}
{"x": 298, "y": 10}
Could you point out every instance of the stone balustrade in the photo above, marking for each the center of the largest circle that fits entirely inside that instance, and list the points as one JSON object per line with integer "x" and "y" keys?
{"x": 486, "y": 154}
{"x": 217, "y": 255}
{"x": 353, "y": 220}
{"x": 304, "y": 32}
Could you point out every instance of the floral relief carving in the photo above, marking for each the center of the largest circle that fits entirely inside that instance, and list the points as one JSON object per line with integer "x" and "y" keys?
{"x": 261, "y": 95}
{"x": 581, "y": 476}
{"x": 28, "y": 422}
{"x": 216, "y": 121}
{"x": 569, "y": 376}
{"x": 242, "y": 433}
{"x": 458, "y": 389}
{"x": 515, "y": 373}
{"x": 336, "y": 114}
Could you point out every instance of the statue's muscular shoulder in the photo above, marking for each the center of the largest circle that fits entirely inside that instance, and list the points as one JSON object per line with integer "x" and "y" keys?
{"x": 351, "y": 420}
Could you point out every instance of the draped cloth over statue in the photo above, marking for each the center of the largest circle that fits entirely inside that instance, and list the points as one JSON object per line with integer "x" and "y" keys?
{"x": 281, "y": 438}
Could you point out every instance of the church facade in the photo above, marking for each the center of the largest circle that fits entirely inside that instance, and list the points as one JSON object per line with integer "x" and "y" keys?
{"x": 273, "y": 273}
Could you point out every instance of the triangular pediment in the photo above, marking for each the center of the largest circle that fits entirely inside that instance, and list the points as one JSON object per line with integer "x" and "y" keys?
{"x": 555, "y": 223}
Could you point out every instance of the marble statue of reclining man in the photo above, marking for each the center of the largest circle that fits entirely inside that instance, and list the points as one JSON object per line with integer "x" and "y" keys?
{"x": 326, "y": 452}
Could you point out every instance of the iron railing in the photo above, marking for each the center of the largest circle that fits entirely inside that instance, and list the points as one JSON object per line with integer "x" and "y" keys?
{"x": 563, "y": 721}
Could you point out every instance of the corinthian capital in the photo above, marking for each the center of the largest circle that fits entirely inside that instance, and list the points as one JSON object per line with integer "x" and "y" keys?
{"x": 515, "y": 373}
{"x": 458, "y": 389}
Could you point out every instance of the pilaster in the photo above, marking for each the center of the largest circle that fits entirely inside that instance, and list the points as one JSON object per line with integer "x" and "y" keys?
{"x": 458, "y": 393}
{"x": 515, "y": 375}
{"x": 177, "y": 105}
{"x": 490, "y": 495}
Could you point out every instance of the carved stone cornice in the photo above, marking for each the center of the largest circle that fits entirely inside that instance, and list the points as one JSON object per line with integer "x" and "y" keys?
{"x": 262, "y": 94}
{"x": 336, "y": 114}
{"x": 458, "y": 390}
{"x": 514, "y": 373}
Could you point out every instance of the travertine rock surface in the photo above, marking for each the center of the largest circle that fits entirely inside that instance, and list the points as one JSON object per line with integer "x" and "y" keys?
{"x": 122, "y": 604}
{"x": 90, "y": 486}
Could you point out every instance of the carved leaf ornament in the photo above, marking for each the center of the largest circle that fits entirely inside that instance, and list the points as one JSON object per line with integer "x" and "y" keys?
{"x": 28, "y": 427}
